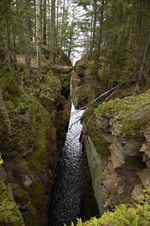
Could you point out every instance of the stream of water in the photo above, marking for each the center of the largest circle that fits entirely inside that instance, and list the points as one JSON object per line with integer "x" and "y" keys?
{"x": 65, "y": 203}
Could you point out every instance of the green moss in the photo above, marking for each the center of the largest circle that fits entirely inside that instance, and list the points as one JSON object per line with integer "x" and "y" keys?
{"x": 30, "y": 105}
{"x": 10, "y": 85}
{"x": 24, "y": 130}
{"x": 129, "y": 114}
{"x": 91, "y": 70}
{"x": 95, "y": 134}
{"x": 21, "y": 195}
{"x": 117, "y": 94}
{"x": 135, "y": 215}
{"x": 85, "y": 94}
{"x": 37, "y": 157}
{"x": 3, "y": 69}
{"x": 9, "y": 213}
{"x": 98, "y": 140}
{"x": 36, "y": 160}
{"x": 37, "y": 194}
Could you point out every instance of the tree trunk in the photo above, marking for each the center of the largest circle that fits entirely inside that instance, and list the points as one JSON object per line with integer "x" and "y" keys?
{"x": 52, "y": 33}
{"x": 62, "y": 26}
{"x": 97, "y": 59}
{"x": 137, "y": 87}
{"x": 26, "y": 40}
{"x": 38, "y": 35}
{"x": 9, "y": 48}
{"x": 44, "y": 23}
{"x": 94, "y": 26}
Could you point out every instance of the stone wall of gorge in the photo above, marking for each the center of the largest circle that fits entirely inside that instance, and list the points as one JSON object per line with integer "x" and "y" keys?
{"x": 115, "y": 139}
{"x": 39, "y": 112}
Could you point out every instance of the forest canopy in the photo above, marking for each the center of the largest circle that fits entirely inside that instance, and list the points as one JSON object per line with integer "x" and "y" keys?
{"x": 113, "y": 34}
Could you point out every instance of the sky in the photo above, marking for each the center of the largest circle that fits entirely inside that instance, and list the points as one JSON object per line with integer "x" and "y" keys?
{"x": 76, "y": 13}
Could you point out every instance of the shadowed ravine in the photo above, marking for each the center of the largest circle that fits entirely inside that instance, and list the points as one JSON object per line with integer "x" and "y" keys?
{"x": 65, "y": 203}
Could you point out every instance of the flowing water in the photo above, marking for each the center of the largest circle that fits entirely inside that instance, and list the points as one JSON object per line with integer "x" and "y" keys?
{"x": 65, "y": 203}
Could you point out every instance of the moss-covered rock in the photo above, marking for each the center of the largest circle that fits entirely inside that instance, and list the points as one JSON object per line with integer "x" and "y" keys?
{"x": 32, "y": 106}
{"x": 21, "y": 196}
{"x": 90, "y": 125}
{"x": 118, "y": 129}
{"x": 127, "y": 116}
{"x": 9, "y": 213}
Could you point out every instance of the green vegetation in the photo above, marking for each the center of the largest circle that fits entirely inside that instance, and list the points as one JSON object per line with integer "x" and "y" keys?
{"x": 137, "y": 214}
{"x": 129, "y": 114}
{"x": 21, "y": 196}
{"x": 48, "y": 91}
{"x": 36, "y": 160}
{"x": 30, "y": 105}
{"x": 95, "y": 134}
{"x": 9, "y": 213}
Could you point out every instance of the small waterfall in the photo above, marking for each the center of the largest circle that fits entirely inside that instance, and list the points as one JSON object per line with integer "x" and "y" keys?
{"x": 65, "y": 203}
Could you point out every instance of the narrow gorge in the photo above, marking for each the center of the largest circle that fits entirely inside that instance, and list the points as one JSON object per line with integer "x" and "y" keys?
{"x": 93, "y": 55}
{"x": 51, "y": 182}
{"x": 47, "y": 178}
{"x": 115, "y": 139}
{"x": 39, "y": 112}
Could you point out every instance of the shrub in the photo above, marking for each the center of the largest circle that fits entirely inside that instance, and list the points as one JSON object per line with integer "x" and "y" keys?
{"x": 137, "y": 214}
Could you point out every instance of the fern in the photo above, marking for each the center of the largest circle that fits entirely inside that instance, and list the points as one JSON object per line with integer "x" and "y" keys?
{"x": 79, "y": 223}
{"x": 123, "y": 215}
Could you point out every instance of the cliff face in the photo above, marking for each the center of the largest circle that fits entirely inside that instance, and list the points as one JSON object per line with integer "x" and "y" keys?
{"x": 39, "y": 112}
{"x": 116, "y": 140}
{"x": 124, "y": 124}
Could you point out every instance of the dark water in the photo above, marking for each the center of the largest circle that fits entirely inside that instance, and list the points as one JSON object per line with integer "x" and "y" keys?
{"x": 65, "y": 203}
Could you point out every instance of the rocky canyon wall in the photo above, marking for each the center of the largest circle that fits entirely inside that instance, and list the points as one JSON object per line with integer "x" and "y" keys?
{"x": 39, "y": 112}
{"x": 115, "y": 140}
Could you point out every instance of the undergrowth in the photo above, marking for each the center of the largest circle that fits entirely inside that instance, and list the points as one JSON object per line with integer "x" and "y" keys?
{"x": 137, "y": 214}
{"x": 9, "y": 213}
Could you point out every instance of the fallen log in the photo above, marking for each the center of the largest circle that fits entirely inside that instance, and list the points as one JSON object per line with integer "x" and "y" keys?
{"x": 61, "y": 69}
